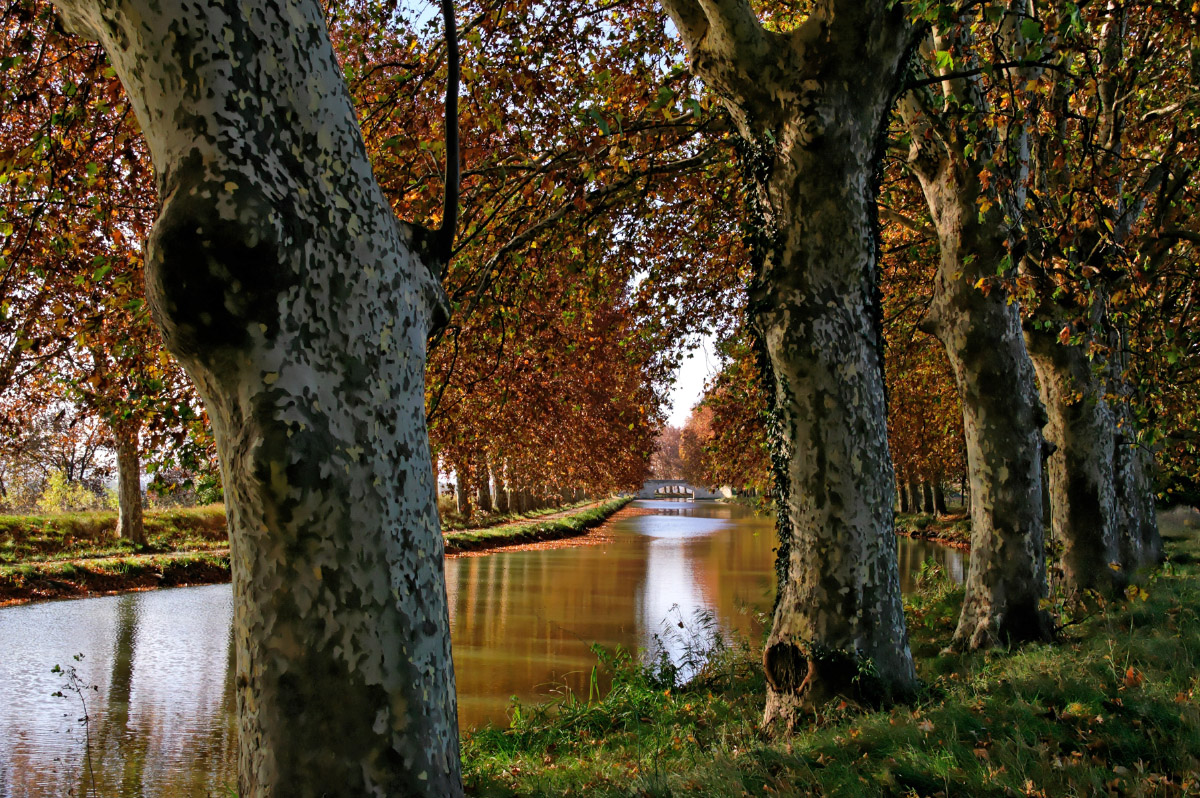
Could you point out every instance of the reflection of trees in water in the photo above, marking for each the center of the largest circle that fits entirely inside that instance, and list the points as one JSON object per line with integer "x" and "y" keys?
{"x": 139, "y": 750}
{"x": 913, "y": 554}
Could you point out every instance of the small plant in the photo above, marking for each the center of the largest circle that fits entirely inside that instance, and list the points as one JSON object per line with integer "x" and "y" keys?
{"x": 61, "y": 495}
{"x": 75, "y": 684}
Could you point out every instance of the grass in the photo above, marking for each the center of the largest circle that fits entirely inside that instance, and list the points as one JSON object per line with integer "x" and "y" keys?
{"x": 552, "y": 529}
{"x": 79, "y": 578}
{"x": 68, "y": 536}
{"x": 452, "y": 521}
{"x": 1110, "y": 710}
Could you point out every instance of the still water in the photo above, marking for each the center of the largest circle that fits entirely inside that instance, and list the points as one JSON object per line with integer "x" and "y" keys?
{"x": 161, "y": 711}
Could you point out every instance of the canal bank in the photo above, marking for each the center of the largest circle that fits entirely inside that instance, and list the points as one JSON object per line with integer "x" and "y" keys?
{"x": 75, "y": 558}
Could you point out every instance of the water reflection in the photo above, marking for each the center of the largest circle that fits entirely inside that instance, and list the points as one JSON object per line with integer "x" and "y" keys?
{"x": 523, "y": 623}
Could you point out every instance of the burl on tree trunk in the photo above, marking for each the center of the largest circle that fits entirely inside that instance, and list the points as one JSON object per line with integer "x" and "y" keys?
{"x": 293, "y": 297}
{"x": 809, "y": 107}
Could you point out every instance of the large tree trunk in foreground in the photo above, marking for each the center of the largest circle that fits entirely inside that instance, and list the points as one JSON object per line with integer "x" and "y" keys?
{"x": 126, "y": 434}
{"x": 293, "y": 296}
{"x": 1080, "y": 469}
{"x": 809, "y": 107}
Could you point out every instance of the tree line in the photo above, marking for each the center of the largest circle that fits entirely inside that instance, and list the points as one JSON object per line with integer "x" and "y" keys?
{"x": 1013, "y": 182}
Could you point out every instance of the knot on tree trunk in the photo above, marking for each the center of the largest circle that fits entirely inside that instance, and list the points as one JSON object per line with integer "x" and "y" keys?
{"x": 215, "y": 270}
{"x": 802, "y": 680}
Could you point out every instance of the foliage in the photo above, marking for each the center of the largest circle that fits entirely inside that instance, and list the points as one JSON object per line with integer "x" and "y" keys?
{"x": 62, "y": 496}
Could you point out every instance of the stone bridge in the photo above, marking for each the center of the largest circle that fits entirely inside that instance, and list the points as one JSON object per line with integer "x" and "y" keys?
{"x": 678, "y": 489}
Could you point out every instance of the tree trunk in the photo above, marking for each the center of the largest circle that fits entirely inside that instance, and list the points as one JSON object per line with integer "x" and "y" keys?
{"x": 462, "y": 492}
{"x": 927, "y": 497}
{"x": 1080, "y": 470}
{"x": 296, "y": 301}
{"x": 978, "y": 322}
{"x": 903, "y": 498}
{"x": 1138, "y": 540}
{"x": 914, "y": 494}
{"x": 503, "y": 504}
{"x": 939, "y": 497}
{"x": 484, "y": 487}
{"x": 809, "y": 107}
{"x": 126, "y": 434}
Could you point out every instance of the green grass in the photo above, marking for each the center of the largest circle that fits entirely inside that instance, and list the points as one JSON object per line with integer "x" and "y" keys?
{"x": 507, "y": 534}
{"x": 1110, "y": 710}
{"x": 65, "y": 579}
{"x": 94, "y": 534}
{"x": 452, "y": 522}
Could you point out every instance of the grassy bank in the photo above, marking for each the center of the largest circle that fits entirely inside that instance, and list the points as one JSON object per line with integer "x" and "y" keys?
{"x": 510, "y": 534}
{"x": 78, "y": 554}
{"x": 70, "y": 536}
{"x": 75, "y": 579}
{"x": 1111, "y": 710}
{"x": 949, "y": 530}
{"x": 453, "y": 522}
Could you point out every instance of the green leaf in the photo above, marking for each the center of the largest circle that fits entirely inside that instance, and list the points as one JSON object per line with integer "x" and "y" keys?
{"x": 600, "y": 123}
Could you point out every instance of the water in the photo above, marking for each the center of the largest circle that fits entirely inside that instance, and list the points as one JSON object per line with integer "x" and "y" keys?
{"x": 522, "y": 621}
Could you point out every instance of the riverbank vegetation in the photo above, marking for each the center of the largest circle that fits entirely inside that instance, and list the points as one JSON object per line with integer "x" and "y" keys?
{"x": 79, "y": 554}
{"x": 1111, "y": 709}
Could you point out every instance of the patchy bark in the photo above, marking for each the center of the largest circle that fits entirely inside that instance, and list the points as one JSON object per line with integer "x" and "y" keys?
{"x": 1080, "y": 470}
{"x": 294, "y": 298}
{"x": 809, "y": 107}
{"x": 974, "y": 316}
{"x": 127, "y": 434}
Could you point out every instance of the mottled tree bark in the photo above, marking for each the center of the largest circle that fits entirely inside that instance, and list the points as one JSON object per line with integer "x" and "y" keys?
{"x": 295, "y": 300}
{"x": 1138, "y": 540}
{"x": 126, "y": 435}
{"x": 975, "y": 317}
{"x": 1080, "y": 469}
{"x": 809, "y": 107}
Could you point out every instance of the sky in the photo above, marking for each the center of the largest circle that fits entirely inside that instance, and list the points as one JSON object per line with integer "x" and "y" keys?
{"x": 689, "y": 381}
